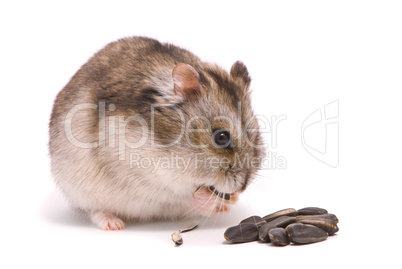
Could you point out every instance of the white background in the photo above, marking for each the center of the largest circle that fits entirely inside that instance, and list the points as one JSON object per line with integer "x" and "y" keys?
{"x": 302, "y": 55}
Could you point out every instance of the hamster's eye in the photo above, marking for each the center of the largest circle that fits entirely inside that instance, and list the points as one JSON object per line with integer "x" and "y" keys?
{"x": 222, "y": 138}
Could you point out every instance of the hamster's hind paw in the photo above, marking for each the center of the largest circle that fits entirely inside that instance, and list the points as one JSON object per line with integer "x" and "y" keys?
{"x": 106, "y": 221}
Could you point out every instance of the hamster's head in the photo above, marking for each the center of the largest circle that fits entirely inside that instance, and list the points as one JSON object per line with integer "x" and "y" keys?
{"x": 221, "y": 134}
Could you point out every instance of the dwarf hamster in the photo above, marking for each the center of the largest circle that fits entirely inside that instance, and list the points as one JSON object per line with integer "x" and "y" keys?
{"x": 146, "y": 130}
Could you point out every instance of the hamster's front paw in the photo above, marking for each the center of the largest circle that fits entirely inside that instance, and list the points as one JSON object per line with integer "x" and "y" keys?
{"x": 208, "y": 200}
{"x": 106, "y": 221}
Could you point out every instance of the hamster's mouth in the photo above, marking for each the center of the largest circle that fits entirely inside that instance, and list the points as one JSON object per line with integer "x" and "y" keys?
{"x": 207, "y": 205}
{"x": 222, "y": 195}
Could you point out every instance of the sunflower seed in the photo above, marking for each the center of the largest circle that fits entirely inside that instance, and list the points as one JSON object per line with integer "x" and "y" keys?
{"x": 328, "y": 225}
{"x": 305, "y": 234}
{"x": 282, "y": 221}
{"x": 254, "y": 219}
{"x": 325, "y": 216}
{"x": 244, "y": 232}
{"x": 307, "y": 225}
{"x": 280, "y": 213}
{"x": 279, "y": 237}
{"x": 221, "y": 195}
{"x": 312, "y": 211}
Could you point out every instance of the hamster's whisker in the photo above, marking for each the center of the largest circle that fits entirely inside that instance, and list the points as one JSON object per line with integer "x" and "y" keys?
{"x": 190, "y": 213}
{"x": 258, "y": 184}
{"x": 213, "y": 208}
{"x": 220, "y": 201}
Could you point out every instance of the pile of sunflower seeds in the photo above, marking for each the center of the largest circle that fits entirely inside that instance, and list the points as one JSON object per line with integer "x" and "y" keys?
{"x": 303, "y": 226}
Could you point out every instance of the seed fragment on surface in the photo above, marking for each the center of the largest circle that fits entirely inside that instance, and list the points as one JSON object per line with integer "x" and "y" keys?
{"x": 176, "y": 238}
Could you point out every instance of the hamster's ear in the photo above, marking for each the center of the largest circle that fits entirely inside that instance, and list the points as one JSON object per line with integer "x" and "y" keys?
{"x": 186, "y": 81}
{"x": 239, "y": 70}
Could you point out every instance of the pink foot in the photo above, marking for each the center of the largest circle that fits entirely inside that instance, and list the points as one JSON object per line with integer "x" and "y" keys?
{"x": 106, "y": 221}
